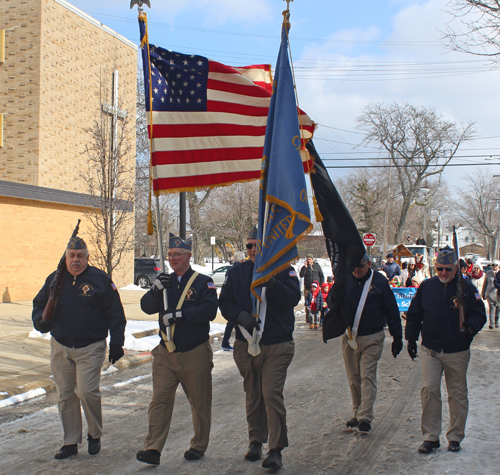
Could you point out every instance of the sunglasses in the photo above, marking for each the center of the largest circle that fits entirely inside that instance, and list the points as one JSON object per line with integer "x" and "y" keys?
{"x": 249, "y": 245}
{"x": 362, "y": 264}
{"x": 441, "y": 269}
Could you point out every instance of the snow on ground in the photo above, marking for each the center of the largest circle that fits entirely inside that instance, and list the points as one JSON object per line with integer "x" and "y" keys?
{"x": 133, "y": 287}
{"x": 22, "y": 397}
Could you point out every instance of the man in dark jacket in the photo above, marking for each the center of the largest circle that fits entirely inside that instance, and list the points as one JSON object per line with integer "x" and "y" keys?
{"x": 362, "y": 349}
{"x": 434, "y": 314}
{"x": 264, "y": 375}
{"x": 391, "y": 268}
{"x": 186, "y": 357}
{"x": 310, "y": 272}
{"x": 88, "y": 307}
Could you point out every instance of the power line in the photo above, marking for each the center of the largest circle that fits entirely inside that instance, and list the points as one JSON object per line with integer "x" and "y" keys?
{"x": 394, "y": 166}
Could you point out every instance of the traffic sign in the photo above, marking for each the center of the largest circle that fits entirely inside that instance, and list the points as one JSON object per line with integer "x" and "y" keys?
{"x": 368, "y": 239}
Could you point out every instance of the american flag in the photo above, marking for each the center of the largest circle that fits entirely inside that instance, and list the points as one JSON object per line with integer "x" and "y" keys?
{"x": 209, "y": 120}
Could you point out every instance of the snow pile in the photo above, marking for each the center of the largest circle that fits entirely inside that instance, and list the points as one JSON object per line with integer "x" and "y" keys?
{"x": 22, "y": 397}
{"x": 133, "y": 287}
{"x": 38, "y": 335}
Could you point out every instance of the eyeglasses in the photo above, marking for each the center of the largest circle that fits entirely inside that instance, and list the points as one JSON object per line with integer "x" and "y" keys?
{"x": 176, "y": 255}
{"x": 441, "y": 269}
{"x": 249, "y": 245}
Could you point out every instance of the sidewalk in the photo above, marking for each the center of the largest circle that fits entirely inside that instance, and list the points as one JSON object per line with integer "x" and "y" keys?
{"x": 25, "y": 362}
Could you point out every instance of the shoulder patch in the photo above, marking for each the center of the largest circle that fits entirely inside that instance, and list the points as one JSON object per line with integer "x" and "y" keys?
{"x": 211, "y": 285}
{"x": 293, "y": 274}
{"x": 478, "y": 297}
{"x": 113, "y": 286}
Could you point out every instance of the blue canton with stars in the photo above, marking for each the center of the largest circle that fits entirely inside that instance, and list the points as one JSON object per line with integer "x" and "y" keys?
{"x": 179, "y": 81}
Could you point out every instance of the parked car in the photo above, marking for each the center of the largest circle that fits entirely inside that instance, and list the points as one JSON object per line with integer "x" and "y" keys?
{"x": 219, "y": 275}
{"x": 145, "y": 271}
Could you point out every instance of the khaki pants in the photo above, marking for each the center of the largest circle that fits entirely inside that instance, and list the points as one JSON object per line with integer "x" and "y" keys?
{"x": 361, "y": 368}
{"x": 455, "y": 367}
{"x": 264, "y": 378}
{"x": 193, "y": 369}
{"x": 77, "y": 374}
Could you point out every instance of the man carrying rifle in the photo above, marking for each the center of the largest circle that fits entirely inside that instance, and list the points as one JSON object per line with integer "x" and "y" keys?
{"x": 89, "y": 306}
{"x": 435, "y": 313}
{"x": 184, "y": 354}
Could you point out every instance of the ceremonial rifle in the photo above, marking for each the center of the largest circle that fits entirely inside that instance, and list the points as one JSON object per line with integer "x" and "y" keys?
{"x": 460, "y": 284}
{"x": 56, "y": 285}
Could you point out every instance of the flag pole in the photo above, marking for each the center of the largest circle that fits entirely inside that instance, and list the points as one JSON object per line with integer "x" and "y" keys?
{"x": 159, "y": 233}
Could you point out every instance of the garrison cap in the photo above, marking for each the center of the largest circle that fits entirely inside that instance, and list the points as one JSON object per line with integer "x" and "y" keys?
{"x": 76, "y": 243}
{"x": 176, "y": 241}
{"x": 446, "y": 256}
{"x": 253, "y": 233}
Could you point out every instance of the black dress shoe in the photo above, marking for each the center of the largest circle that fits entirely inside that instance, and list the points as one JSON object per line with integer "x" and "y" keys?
{"x": 67, "y": 451}
{"x": 254, "y": 451}
{"x": 352, "y": 423}
{"x": 150, "y": 456}
{"x": 364, "y": 425}
{"x": 273, "y": 459}
{"x": 94, "y": 445}
{"x": 193, "y": 454}
{"x": 454, "y": 446}
{"x": 428, "y": 446}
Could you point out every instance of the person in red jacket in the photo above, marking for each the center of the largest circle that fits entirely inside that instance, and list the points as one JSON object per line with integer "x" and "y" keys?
{"x": 325, "y": 288}
{"x": 314, "y": 303}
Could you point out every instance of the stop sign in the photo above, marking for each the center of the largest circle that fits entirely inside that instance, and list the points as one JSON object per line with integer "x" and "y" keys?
{"x": 368, "y": 239}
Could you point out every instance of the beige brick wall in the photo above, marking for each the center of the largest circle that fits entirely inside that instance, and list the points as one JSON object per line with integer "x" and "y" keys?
{"x": 49, "y": 93}
{"x": 33, "y": 237}
{"x": 20, "y": 90}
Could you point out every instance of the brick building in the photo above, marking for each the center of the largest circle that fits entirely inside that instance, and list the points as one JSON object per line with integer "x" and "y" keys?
{"x": 57, "y": 59}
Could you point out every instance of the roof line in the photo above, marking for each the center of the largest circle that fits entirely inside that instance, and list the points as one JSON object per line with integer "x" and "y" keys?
{"x": 96, "y": 23}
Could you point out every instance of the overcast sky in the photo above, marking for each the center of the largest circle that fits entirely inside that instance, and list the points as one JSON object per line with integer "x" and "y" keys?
{"x": 346, "y": 56}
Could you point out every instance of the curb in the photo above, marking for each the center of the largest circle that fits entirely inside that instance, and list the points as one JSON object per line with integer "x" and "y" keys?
{"x": 128, "y": 360}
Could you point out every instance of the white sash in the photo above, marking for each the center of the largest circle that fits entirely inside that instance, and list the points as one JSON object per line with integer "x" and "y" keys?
{"x": 253, "y": 346}
{"x": 351, "y": 333}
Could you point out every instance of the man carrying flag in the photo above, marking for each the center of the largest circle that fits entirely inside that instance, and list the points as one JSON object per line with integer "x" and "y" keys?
{"x": 268, "y": 316}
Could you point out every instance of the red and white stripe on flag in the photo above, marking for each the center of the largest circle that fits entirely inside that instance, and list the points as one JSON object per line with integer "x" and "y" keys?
{"x": 222, "y": 144}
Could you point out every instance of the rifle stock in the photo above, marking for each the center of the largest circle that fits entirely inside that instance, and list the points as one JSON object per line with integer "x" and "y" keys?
{"x": 56, "y": 284}
{"x": 460, "y": 285}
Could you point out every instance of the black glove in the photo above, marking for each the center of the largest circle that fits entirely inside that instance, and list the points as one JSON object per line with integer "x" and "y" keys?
{"x": 397, "y": 345}
{"x": 162, "y": 281}
{"x": 247, "y": 321}
{"x": 469, "y": 330}
{"x": 412, "y": 349}
{"x": 270, "y": 284}
{"x": 115, "y": 353}
{"x": 43, "y": 326}
{"x": 173, "y": 317}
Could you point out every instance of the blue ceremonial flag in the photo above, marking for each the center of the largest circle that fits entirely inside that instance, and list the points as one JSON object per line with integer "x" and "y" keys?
{"x": 283, "y": 196}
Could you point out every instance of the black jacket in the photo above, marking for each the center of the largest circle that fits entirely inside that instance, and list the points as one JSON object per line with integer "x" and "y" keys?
{"x": 235, "y": 297}
{"x": 380, "y": 307}
{"x": 433, "y": 313}
{"x": 312, "y": 274}
{"x": 199, "y": 309}
{"x": 89, "y": 306}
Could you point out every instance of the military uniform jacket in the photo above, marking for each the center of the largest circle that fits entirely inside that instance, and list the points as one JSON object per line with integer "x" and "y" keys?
{"x": 89, "y": 306}
{"x": 380, "y": 307}
{"x": 199, "y": 309}
{"x": 434, "y": 313}
{"x": 235, "y": 297}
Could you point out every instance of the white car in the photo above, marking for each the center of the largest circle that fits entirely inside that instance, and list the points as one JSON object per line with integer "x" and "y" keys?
{"x": 219, "y": 275}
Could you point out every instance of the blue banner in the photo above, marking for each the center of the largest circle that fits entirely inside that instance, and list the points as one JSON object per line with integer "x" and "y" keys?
{"x": 404, "y": 295}
{"x": 286, "y": 219}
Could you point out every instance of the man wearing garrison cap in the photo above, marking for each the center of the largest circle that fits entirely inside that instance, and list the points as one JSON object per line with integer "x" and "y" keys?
{"x": 263, "y": 375}
{"x": 434, "y": 314}
{"x": 89, "y": 307}
{"x": 186, "y": 357}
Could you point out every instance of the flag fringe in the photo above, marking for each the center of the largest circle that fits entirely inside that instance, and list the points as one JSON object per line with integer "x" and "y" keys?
{"x": 150, "y": 223}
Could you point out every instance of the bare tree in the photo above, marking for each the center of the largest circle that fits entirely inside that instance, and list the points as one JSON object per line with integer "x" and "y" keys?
{"x": 418, "y": 143}
{"x": 196, "y": 201}
{"x": 479, "y": 32}
{"x": 478, "y": 207}
{"x": 110, "y": 184}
